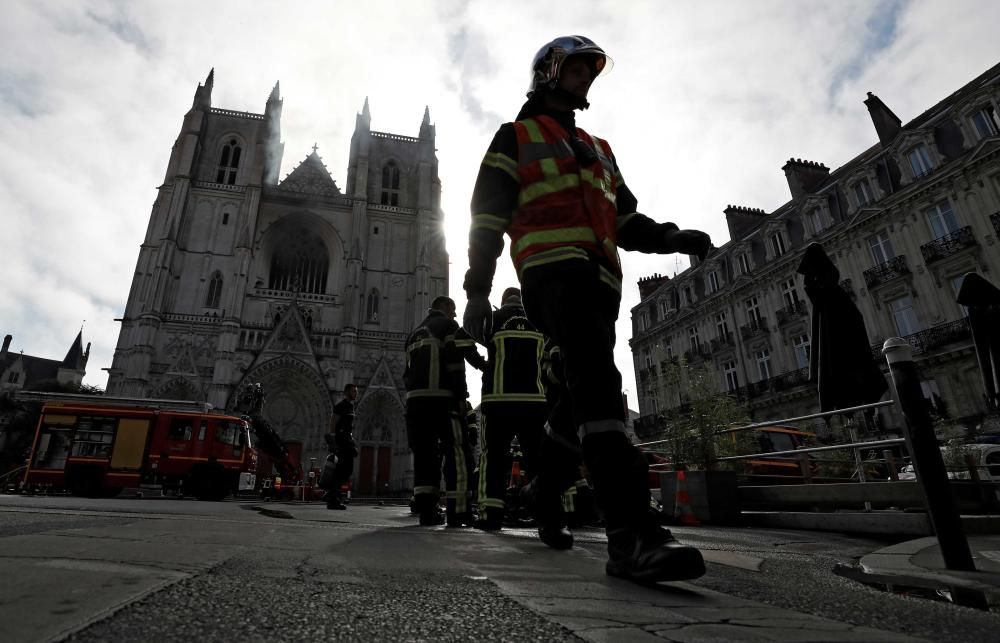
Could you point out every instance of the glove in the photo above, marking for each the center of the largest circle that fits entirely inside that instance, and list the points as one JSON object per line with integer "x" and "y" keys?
{"x": 689, "y": 242}
{"x": 476, "y": 313}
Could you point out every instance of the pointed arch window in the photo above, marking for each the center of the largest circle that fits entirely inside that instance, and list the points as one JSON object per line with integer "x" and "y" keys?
{"x": 214, "y": 291}
{"x": 390, "y": 184}
{"x": 300, "y": 261}
{"x": 373, "y": 297}
{"x": 229, "y": 162}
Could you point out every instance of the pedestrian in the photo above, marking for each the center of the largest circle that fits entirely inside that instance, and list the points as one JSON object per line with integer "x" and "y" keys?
{"x": 436, "y": 394}
{"x": 558, "y": 193}
{"x": 342, "y": 446}
{"x": 513, "y": 405}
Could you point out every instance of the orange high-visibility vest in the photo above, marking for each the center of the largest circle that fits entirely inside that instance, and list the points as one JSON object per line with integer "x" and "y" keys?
{"x": 564, "y": 209}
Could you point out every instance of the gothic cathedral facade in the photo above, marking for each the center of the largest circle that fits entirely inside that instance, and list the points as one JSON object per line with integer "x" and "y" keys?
{"x": 242, "y": 278}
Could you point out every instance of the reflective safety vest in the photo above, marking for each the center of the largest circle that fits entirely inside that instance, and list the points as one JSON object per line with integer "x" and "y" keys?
{"x": 564, "y": 209}
{"x": 515, "y": 364}
{"x": 434, "y": 365}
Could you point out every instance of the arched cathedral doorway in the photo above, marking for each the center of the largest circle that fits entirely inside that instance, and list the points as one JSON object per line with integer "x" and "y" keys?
{"x": 383, "y": 466}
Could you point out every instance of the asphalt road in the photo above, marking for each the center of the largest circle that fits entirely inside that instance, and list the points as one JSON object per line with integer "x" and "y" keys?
{"x": 166, "y": 570}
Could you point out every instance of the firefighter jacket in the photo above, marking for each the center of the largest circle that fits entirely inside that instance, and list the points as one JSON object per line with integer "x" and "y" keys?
{"x": 559, "y": 195}
{"x": 516, "y": 351}
{"x": 435, "y": 363}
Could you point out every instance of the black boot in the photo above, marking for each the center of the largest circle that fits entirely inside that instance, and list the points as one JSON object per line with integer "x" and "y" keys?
{"x": 556, "y": 536}
{"x": 651, "y": 554}
{"x": 431, "y": 517}
{"x": 463, "y": 519}
{"x": 489, "y": 520}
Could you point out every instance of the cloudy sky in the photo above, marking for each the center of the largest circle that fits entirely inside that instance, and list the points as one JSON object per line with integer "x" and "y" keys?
{"x": 706, "y": 102}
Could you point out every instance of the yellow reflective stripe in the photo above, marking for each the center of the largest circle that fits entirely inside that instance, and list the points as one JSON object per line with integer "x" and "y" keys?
{"x": 463, "y": 343}
{"x": 599, "y": 183}
{"x": 423, "y": 490}
{"x": 623, "y": 220}
{"x": 550, "y": 256}
{"x": 428, "y": 392}
{"x": 520, "y": 334}
{"x": 610, "y": 279}
{"x": 558, "y": 235}
{"x": 501, "y": 162}
{"x": 501, "y": 357}
{"x": 534, "y": 133}
{"x": 491, "y": 503}
{"x": 548, "y": 186}
{"x": 489, "y": 222}
{"x": 514, "y": 397}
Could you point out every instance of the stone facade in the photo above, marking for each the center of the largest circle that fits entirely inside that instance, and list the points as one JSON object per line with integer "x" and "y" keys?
{"x": 294, "y": 283}
{"x": 903, "y": 222}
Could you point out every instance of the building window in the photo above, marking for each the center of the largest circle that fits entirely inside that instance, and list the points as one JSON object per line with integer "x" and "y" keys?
{"x": 229, "y": 162}
{"x": 764, "y": 364}
{"x": 941, "y": 219}
{"x": 863, "y": 193}
{"x": 713, "y": 281}
{"x": 801, "y": 346}
{"x": 300, "y": 261}
{"x": 214, "y": 290}
{"x": 881, "y": 247}
{"x": 903, "y": 316}
{"x": 753, "y": 310}
{"x": 722, "y": 325}
{"x": 647, "y": 357}
{"x": 777, "y": 244}
{"x": 390, "y": 184}
{"x": 225, "y": 218}
{"x": 732, "y": 376}
{"x": 688, "y": 296}
{"x": 693, "y": 339}
{"x": 920, "y": 161}
{"x": 13, "y": 378}
{"x": 744, "y": 262}
{"x": 664, "y": 308}
{"x": 789, "y": 294}
{"x": 816, "y": 219}
{"x": 986, "y": 121}
{"x": 643, "y": 320}
{"x": 372, "y": 309}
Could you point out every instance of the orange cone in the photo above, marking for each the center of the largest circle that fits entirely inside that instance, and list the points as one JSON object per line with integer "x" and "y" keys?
{"x": 682, "y": 503}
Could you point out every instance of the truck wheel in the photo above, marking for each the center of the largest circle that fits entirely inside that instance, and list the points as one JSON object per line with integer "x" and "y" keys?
{"x": 85, "y": 481}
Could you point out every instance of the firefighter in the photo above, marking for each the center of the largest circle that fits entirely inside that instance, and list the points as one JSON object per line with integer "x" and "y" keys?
{"x": 341, "y": 443}
{"x": 513, "y": 404}
{"x": 435, "y": 405}
{"x": 558, "y": 193}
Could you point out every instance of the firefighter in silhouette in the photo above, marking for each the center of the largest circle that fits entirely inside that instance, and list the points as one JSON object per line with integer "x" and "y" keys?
{"x": 340, "y": 442}
{"x": 436, "y": 391}
{"x": 558, "y": 193}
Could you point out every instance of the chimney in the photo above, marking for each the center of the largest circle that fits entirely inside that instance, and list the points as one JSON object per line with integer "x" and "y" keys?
{"x": 887, "y": 124}
{"x": 804, "y": 176}
{"x": 6, "y": 344}
{"x": 648, "y": 285}
{"x": 742, "y": 220}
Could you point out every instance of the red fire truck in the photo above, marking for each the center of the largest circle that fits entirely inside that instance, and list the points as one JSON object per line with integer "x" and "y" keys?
{"x": 99, "y": 445}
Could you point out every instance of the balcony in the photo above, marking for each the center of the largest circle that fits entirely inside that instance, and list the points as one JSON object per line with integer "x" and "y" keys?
{"x": 754, "y": 328}
{"x": 790, "y": 379}
{"x": 722, "y": 342}
{"x": 948, "y": 245}
{"x": 932, "y": 338}
{"x": 995, "y": 219}
{"x": 886, "y": 272}
{"x": 793, "y": 311}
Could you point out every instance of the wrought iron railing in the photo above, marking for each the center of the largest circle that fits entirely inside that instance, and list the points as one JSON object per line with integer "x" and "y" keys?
{"x": 932, "y": 338}
{"x": 791, "y": 312}
{"x": 790, "y": 379}
{"x": 754, "y": 328}
{"x": 885, "y": 272}
{"x": 948, "y": 245}
{"x": 723, "y": 341}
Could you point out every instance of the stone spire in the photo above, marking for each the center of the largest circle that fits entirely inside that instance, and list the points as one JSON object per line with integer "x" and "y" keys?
{"x": 365, "y": 117}
{"x": 203, "y": 95}
{"x": 426, "y": 129}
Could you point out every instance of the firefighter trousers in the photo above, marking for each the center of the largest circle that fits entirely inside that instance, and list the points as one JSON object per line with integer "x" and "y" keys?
{"x": 501, "y": 423}
{"x": 434, "y": 430}
{"x": 577, "y": 310}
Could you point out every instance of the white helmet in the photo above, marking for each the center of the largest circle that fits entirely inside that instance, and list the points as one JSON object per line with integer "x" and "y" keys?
{"x": 548, "y": 61}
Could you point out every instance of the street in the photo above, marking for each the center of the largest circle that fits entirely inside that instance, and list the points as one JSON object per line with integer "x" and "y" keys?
{"x": 168, "y": 570}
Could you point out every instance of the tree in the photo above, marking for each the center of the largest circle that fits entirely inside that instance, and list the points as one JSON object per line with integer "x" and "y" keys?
{"x": 693, "y": 434}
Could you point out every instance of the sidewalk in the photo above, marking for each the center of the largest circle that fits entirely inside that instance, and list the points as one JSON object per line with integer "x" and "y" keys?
{"x": 920, "y": 562}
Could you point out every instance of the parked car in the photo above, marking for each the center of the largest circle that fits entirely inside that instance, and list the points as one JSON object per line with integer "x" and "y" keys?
{"x": 986, "y": 459}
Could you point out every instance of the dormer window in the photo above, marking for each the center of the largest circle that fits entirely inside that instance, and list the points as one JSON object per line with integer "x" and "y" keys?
{"x": 986, "y": 121}
{"x": 229, "y": 163}
{"x": 777, "y": 244}
{"x": 390, "y": 184}
{"x": 744, "y": 262}
{"x": 863, "y": 193}
{"x": 816, "y": 221}
{"x": 713, "y": 281}
{"x": 643, "y": 321}
{"x": 920, "y": 160}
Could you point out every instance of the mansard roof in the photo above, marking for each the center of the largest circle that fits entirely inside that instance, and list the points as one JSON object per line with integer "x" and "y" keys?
{"x": 311, "y": 177}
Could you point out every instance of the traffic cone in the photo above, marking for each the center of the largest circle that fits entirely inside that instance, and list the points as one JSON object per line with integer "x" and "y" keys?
{"x": 682, "y": 503}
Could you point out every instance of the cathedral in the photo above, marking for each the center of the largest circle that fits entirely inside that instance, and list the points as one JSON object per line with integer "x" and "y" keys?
{"x": 292, "y": 283}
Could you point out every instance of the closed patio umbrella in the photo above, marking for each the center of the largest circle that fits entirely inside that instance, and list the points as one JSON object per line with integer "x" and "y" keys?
{"x": 983, "y": 301}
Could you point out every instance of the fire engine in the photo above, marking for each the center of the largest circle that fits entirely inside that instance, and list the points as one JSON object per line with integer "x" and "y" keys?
{"x": 98, "y": 445}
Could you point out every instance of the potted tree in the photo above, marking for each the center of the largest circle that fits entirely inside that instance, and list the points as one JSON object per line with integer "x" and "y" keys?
{"x": 694, "y": 443}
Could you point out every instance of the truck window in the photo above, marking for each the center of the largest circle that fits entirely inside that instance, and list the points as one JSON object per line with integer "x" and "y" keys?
{"x": 53, "y": 447}
{"x": 232, "y": 434}
{"x": 180, "y": 429}
{"x": 94, "y": 436}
